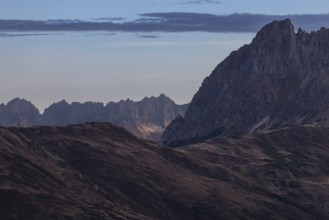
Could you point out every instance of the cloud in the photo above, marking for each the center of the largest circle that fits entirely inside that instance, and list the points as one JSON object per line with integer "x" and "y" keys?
{"x": 167, "y": 22}
{"x": 22, "y": 34}
{"x": 109, "y": 19}
{"x": 100, "y": 33}
{"x": 199, "y": 2}
{"x": 150, "y": 36}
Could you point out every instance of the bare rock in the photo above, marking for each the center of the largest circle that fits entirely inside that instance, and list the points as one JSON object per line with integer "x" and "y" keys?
{"x": 280, "y": 78}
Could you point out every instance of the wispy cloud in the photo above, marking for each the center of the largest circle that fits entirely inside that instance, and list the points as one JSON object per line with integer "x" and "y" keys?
{"x": 22, "y": 34}
{"x": 166, "y": 22}
{"x": 109, "y": 19}
{"x": 199, "y": 2}
{"x": 150, "y": 36}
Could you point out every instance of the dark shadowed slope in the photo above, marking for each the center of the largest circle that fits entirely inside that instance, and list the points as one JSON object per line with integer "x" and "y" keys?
{"x": 37, "y": 184}
{"x": 99, "y": 171}
{"x": 281, "y": 78}
{"x": 289, "y": 165}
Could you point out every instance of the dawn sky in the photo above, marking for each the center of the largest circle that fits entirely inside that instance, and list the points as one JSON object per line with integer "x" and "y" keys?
{"x": 107, "y": 50}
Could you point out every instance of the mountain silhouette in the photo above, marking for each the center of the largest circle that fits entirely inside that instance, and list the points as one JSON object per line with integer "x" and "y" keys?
{"x": 280, "y": 78}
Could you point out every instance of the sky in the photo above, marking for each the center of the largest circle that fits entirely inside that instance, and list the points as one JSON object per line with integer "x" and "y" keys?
{"x": 108, "y": 50}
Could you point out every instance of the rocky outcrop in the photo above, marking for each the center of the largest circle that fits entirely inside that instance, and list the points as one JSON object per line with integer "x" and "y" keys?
{"x": 280, "y": 78}
{"x": 63, "y": 113}
{"x": 146, "y": 118}
{"x": 19, "y": 112}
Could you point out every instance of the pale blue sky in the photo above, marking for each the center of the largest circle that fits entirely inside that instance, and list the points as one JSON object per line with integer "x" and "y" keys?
{"x": 83, "y": 9}
{"x": 112, "y": 65}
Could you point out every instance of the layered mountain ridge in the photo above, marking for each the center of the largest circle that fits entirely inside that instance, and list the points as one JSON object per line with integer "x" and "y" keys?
{"x": 146, "y": 118}
{"x": 256, "y": 146}
{"x": 280, "y": 78}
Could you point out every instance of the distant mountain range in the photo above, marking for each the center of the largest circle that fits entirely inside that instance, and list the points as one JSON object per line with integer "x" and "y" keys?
{"x": 147, "y": 118}
{"x": 281, "y": 78}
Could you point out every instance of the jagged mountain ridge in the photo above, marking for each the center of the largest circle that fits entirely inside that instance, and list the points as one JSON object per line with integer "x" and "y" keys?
{"x": 146, "y": 118}
{"x": 100, "y": 171}
{"x": 280, "y": 78}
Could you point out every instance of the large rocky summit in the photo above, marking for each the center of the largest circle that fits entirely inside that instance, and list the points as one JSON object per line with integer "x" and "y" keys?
{"x": 280, "y": 78}
{"x": 19, "y": 112}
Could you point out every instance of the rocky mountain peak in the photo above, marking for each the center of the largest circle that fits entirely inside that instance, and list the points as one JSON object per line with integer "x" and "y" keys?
{"x": 163, "y": 97}
{"x": 281, "y": 77}
{"x": 19, "y": 112}
{"x": 18, "y": 105}
{"x": 276, "y": 28}
{"x": 160, "y": 98}
{"x": 278, "y": 35}
{"x": 62, "y": 103}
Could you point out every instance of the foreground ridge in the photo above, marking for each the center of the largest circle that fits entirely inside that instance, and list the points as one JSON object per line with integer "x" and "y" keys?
{"x": 100, "y": 171}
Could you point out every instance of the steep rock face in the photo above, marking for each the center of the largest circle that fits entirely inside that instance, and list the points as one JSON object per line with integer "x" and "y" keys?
{"x": 63, "y": 113}
{"x": 147, "y": 118}
{"x": 282, "y": 77}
